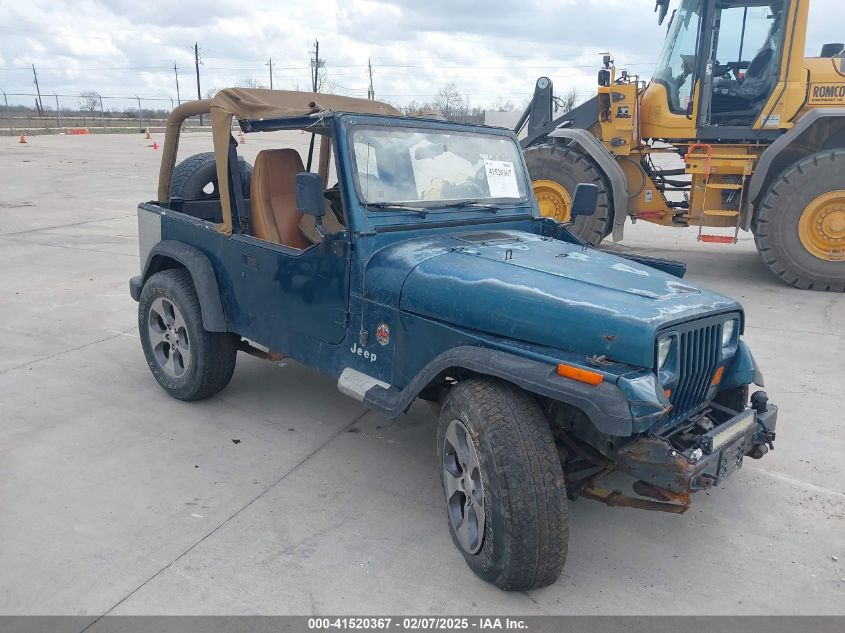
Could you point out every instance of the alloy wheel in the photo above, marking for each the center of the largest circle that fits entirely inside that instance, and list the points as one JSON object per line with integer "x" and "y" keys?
{"x": 463, "y": 487}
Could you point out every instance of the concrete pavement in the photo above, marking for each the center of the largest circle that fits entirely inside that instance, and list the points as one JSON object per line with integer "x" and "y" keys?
{"x": 115, "y": 498}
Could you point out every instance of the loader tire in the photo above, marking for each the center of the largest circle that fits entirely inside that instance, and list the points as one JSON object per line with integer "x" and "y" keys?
{"x": 800, "y": 225}
{"x": 556, "y": 166}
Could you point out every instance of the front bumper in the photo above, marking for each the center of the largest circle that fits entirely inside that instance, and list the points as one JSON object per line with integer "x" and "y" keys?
{"x": 135, "y": 286}
{"x": 660, "y": 467}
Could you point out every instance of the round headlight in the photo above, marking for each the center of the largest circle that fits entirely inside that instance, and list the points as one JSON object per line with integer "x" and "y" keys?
{"x": 728, "y": 332}
{"x": 664, "y": 346}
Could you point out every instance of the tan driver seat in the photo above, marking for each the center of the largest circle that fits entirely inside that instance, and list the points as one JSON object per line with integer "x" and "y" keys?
{"x": 275, "y": 217}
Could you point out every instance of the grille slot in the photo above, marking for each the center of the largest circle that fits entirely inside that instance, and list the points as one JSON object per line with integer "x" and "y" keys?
{"x": 699, "y": 348}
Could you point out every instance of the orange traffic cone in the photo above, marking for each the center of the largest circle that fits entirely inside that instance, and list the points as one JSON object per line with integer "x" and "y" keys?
{"x": 241, "y": 138}
{"x": 148, "y": 136}
{"x": 23, "y": 138}
{"x": 155, "y": 145}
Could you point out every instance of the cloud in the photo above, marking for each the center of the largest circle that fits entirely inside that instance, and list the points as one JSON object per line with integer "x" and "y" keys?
{"x": 122, "y": 48}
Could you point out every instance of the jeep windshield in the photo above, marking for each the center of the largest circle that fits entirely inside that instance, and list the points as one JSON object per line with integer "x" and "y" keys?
{"x": 417, "y": 169}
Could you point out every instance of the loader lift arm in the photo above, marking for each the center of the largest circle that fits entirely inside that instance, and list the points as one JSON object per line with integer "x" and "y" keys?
{"x": 539, "y": 112}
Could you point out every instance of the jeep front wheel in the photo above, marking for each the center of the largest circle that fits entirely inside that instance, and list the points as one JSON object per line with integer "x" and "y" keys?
{"x": 503, "y": 484}
{"x": 188, "y": 362}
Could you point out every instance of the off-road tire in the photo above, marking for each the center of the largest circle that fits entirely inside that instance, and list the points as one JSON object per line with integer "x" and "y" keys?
{"x": 213, "y": 354}
{"x": 776, "y": 225}
{"x": 568, "y": 166}
{"x": 191, "y": 177}
{"x": 527, "y": 530}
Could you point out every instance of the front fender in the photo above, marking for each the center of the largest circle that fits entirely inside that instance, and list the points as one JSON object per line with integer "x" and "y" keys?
{"x": 604, "y": 404}
{"x": 743, "y": 370}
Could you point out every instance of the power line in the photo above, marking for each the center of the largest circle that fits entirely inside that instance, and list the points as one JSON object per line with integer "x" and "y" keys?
{"x": 197, "y": 65}
{"x": 166, "y": 68}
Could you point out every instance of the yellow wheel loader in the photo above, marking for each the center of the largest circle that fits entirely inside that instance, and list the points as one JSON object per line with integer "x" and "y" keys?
{"x": 759, "y": 129}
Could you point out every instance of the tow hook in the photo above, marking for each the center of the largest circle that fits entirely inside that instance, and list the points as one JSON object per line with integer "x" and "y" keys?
{"x": 760, "y": 403}
{"x": 758, "y": 451}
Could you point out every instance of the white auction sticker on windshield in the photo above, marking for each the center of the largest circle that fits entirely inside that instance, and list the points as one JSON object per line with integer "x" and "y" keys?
{"x": 501, "y": 179}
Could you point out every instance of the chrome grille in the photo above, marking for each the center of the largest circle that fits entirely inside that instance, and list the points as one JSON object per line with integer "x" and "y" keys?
{"x": 699, "y": 349}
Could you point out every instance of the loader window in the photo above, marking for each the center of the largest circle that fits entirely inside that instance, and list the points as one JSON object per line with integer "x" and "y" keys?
{"x": 677, "y": 61}
{"x": 748, "y": 43}
{"x": 742, "y": 32}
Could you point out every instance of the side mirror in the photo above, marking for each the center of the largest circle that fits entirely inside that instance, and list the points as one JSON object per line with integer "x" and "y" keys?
{"x": 661, "y": 7}
{"x": 309, "y": 194}
{"x": 585, "y": 200}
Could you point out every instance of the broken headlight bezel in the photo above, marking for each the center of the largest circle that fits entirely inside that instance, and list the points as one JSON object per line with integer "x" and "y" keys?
{"x": 730, "y": 337}
{"x": 666, "y": 358}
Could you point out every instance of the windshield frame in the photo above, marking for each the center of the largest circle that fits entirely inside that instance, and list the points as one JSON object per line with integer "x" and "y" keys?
{"x": 673, "y": 34}
{"x": 434, "y": 206}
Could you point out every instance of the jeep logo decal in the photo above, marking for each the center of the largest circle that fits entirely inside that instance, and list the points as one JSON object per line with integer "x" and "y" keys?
{"x": 360, "y": 351}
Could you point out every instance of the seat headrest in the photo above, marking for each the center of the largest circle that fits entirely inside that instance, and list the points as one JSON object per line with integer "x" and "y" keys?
{"x": 272, "y": 161}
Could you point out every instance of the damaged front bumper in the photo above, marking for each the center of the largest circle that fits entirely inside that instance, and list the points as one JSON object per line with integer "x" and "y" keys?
{"x": 668, "y": 471}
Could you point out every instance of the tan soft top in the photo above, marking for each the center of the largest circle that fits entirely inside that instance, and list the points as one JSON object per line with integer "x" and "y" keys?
{"x": 248, "y": 104}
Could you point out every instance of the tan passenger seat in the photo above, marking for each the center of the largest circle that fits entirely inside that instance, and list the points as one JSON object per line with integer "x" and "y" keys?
{"x": 275, "y": 217}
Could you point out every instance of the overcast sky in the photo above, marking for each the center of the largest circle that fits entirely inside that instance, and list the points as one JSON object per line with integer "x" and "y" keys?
{"x": 488, "y": 49}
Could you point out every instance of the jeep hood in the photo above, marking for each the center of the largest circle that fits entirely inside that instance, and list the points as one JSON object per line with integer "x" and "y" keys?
{"x": 539, "y": 290}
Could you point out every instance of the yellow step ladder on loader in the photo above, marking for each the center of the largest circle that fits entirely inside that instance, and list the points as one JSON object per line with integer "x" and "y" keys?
{"x": 720, "y": 186}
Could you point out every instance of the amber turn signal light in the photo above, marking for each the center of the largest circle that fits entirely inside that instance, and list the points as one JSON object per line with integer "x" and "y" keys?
{"x": 717, "y": 377}
{"x": 581, "y": 375}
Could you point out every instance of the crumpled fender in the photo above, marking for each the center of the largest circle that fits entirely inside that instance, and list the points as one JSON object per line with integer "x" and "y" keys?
{"x": 743, "y": 370}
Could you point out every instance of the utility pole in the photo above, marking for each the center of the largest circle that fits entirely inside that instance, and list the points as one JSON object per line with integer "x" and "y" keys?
{"x": 176, "y": 72}
{"x": 197, "y": 64}
{"x": 8, "y": 112}
{"x": 271, "y": 73}
{"x": 371, "y": 94}
{"x": 316, "y": 64}
{"x": 38, "y": 90}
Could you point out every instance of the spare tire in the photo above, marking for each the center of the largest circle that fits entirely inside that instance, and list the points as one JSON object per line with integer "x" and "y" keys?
{"x": 195, "y": 178}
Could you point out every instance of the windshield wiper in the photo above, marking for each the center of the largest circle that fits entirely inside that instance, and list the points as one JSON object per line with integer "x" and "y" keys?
{"x": 397, "y": 205}
{"x": 424, "y": 211}
{"x": 475, "y": 204}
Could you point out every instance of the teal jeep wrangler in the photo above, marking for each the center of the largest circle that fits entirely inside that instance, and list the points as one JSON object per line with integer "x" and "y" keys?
{"x": 419, "y": 267}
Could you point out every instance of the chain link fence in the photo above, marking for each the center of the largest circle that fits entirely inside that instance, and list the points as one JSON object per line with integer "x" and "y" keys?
{"x": 52, "y": 113}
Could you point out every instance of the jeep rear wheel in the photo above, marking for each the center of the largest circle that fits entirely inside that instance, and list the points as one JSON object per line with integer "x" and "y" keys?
{"x": 188, "y": 362}
{"x": 503, "y": 484}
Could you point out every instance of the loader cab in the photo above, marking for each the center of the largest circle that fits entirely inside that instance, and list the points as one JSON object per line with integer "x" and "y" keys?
{"x": 720, "y": 64}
